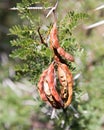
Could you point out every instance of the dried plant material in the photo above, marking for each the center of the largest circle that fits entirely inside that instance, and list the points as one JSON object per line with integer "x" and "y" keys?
{"x": 57, "y": 92}
{"x": 54, "y": 43}
{"x": 41, "y": 87}
{"x": 66, "y": 81}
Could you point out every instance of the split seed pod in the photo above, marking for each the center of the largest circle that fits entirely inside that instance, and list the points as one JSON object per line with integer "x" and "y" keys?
{"x": 47, "y": 88}
{"x": 54, "y": 98}
{"x": 41, "y": 86}
{"x": 47, "y": 83}
{"x": 66, "y": 80}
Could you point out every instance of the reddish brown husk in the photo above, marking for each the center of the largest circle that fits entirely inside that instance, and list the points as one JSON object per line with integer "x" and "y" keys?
{"x": 47, "y": 88}
{"x": 41, "y": 87}
{"x": 66, "y": 80}
{"x": 54, "y": 43}
{"x": 53, "y": 37}
{"x": 61, "y": 97}
{"x": 51, "y": 80}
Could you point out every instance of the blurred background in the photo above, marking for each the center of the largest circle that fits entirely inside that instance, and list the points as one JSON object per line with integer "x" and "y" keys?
{"x": 17, "y": 107}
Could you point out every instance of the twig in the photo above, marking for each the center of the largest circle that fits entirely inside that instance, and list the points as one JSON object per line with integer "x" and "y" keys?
{"x": 75, "y": 111}
{"x": 54, "y": 115}
{"x": 52, "y": 9}
{"x": 99, "y": 8}
{"x": 77, "y": 76}
{"x": 95, "y": 25}
{"x": 42, "y": 41}
{"x": 32, "y": 8}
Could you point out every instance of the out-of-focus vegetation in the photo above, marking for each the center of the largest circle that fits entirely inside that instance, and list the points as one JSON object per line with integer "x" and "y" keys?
{"x": 20, "y": 107}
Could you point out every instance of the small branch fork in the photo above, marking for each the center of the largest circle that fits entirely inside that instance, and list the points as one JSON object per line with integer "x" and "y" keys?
{"x": 51, "y": 9}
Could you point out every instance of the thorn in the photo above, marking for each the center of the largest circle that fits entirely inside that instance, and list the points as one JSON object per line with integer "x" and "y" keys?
{"x": 77, "y": 76}
{"x": 94, "y": 25}
{"x": 99, "y": 8}
{"x": 54, "y": 115}
{"x": 76, "y": 114}
{"x": 62, "y": 123}
{"x": 52, "y": 10}
{"x": 32, "y": 8}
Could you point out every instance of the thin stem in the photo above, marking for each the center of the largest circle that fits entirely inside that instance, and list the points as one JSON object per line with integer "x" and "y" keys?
{"x": 95, "y": 25}
{"x": 32, "y": 8}
{"x": 52, "y": 10}
{"x": 99, "y": 8}
{"x": 42, "y": 41}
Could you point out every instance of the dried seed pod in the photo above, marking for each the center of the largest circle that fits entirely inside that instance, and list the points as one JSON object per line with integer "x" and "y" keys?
{"x": 41, "y": 85}
{"x": 51, "y": 80}
{"x": 66, "y": 80}
{"x": 50, "y": 97}
{"x": 47, "y": 90}
{"x": 64, "y": 54}
{"x": 53, "y": 37}
{"x": 55, "y": 44}
{"x": 47, "y": 83}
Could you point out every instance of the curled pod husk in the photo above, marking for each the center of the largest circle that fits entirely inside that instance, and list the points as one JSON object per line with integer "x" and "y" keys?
{"x": 50, "y": 85}
{"x": 64, "y": 54}
{"x": 66, "y": 81}
{"x": 41, "y": 85}
{"x": 53, "y": 37}
{"x": 54, "y": 43}
{"x": 47, "y": 90}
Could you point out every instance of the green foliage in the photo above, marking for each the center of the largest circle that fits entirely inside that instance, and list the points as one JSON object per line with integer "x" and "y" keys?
{"x": 32, "y": 52}
{"x": 28, "y": 47}
{"x": 35, "y": 57}
{"x": 29, "y": 50}
{"x": 31, "y": 58}
{"x": 72, "y": 19}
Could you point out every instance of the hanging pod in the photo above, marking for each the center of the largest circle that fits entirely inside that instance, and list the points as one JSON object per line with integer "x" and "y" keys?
{"x": 51, "y": 83}
{"x": 41, "y": 85}
{"x": 47, "y": 88}
{"x": 54, "y": 44}
{"x": 56, "y": 83}
{"x": 66, "y": 81}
